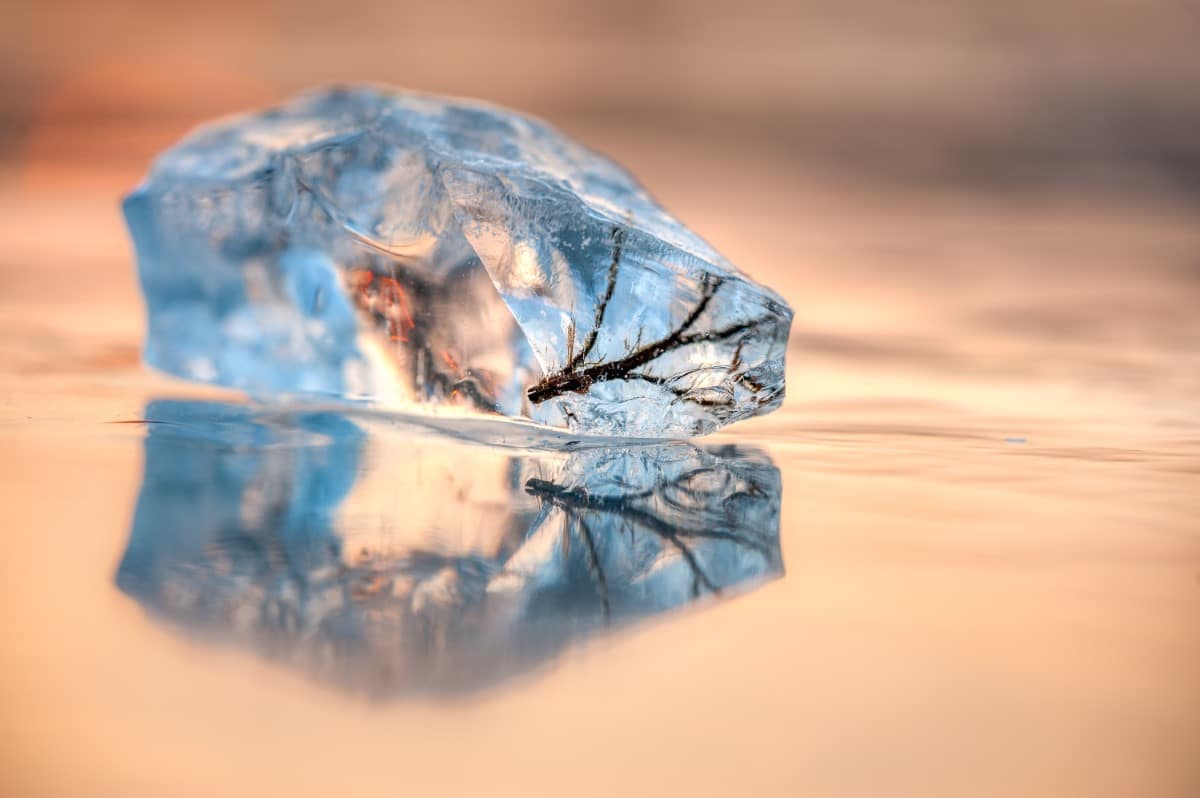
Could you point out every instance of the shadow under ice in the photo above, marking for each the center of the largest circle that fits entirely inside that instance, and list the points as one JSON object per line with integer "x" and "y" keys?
{"x": 391, "y": 561}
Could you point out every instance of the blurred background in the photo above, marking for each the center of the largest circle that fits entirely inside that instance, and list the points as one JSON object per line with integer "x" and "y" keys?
{"x": 985, "y": 215}
{"x": 1038, "y": 161}
{"x": 1018, "y": 97}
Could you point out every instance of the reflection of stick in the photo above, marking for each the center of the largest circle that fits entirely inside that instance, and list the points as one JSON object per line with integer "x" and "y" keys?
{"x": 619, "y": 505}
{"x": 595, "y": 566}
{"x": 578, "y": 501}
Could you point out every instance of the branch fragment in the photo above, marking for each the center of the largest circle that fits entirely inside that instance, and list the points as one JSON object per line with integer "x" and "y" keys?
{"x": 579, "y": 380}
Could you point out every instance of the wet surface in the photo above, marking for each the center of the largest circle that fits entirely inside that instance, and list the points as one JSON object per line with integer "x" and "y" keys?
{"x": 475, "y": 564}
{"x": 967, "y": 557}
{"x": 986, "y": 510}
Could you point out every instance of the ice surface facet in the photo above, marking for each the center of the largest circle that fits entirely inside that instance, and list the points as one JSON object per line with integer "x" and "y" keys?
{"x": 403, "y": 249}
{"x": 452, "y": 568}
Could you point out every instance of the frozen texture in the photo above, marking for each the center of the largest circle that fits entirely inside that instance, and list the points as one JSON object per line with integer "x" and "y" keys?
{"x": 409, "y": 250}
{"x": 471, "y": 564}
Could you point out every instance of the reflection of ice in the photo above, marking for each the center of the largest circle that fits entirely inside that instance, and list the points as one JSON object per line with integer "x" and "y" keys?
{"x": 446, "y": 566}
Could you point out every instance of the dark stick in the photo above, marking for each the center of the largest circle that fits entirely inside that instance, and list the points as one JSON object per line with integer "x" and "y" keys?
{"x": 579, "y": 380}
{"x": 618, "y": 239}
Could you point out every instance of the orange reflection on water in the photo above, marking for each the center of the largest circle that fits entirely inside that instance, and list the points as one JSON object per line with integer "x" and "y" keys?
{"x": 984, "y": 218}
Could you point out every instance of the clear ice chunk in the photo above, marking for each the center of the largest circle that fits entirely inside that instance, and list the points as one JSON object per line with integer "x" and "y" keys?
{"x": 451, "y": 569}
{"x": 402, "y": 250}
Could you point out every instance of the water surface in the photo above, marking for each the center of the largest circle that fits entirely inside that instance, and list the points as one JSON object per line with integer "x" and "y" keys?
{"x": 966, "y": 558}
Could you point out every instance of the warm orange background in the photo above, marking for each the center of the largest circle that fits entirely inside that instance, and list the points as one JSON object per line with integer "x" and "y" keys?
{"x": 985, "y": 216}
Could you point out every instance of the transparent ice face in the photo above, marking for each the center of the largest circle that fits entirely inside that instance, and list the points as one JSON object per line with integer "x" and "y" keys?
{"x": 404, "y": 251}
